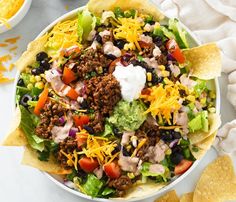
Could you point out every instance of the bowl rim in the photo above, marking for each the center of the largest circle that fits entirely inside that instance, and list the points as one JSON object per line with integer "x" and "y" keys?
{"x": 163, "y": 189}
{"x": 19, "y": 15}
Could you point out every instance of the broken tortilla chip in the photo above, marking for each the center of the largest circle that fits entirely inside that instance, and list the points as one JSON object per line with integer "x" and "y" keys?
{"x": 204, "y": 61}
{"x": 217, "y": 182}
{"x": 30, "y": 158}
{"x": 214, "y": 124}
{"x": 144, "y": 6}
{"x": 188, "y": 197}
{"x": 16, "y": 137}
{"x": 28, "y": 57}
{"x": 170, "y": 196}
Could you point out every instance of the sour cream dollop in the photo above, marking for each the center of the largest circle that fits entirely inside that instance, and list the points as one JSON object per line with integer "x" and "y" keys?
{"x": 132, "y": 80}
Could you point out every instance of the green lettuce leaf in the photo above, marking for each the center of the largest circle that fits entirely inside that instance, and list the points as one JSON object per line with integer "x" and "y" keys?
{"x": 180, "y": 33}
{"x": 28, "y": 126}
{"x": 200, "y": 87}
{"x": 92, "y": 186}
{"x": 86, "y": 23}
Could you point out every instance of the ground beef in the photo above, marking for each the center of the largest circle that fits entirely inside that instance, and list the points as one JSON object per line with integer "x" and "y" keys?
{"x": 121, "y": 184}
{"x": 162, "y": 59}
{"x": 68, "y": 146}
{"x": 92, "y": 61}
{"x": 103, "y": 93}
{"x": 97, "y": 123}
{"x": 148, "y": 51}
{"x": 49, "y": 118}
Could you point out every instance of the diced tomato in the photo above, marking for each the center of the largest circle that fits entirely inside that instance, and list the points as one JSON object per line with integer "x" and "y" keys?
{"x": 81, "y": 120}
{"x": 113, "y": 65}
{"x": 68, "y": 75}
{"x": 146, "y": 91}
{"x": 81, "y": 139}
{"x": 72, "y": 52}
{"x": 183, "y": 166}
{"x": 87, "y": 164}
{"x": 175, "y": 51}
{"x": 41, "y": 102}
{"x": 144, "y": 44}
{"x": 112, "y": 170}
{"x": 72, "y": 94}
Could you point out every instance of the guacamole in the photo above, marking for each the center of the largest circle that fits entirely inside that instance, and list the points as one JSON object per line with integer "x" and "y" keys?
{"x": 128, "y": 116}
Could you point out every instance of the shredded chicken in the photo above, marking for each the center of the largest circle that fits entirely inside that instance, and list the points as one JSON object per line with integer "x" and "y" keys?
{"x": 128, "y": 163}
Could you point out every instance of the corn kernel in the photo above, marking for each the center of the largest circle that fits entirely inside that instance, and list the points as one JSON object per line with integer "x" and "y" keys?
{"x": 167, "y": 81}
{"x": 39, "y": 85}
{"x": 149, "y": 76}
{"x": 165, "y": 73}
{"x": 30, "y": 86}
{"x": 162, "y": 67}
{"x": 212, "y": 95}
{"x": 37, "y": 78}
{"x": 203, "y": 101}
{"x": 191, "y": 98}
{"x": 168, "y": 152}
{"x": 212, "y": 109}
{"x": 32, "y": 79}
{"x": 131, "y": 175}
{"x": 157, "y": 25}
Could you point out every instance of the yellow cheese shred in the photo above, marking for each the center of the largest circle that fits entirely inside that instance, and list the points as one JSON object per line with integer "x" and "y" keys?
{"x": 129, "y": 29}
{"x": 63, "y": 35}
{"x": 164, "y": 100}
{"x": 99, "y": 148}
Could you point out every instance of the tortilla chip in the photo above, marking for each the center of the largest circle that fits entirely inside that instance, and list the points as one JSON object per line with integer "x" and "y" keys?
{"x": 143, "y": 190}
{"x": 144, "y": 6}
{"x": 214, "y": 122}
{"x": 199, "y": 153}
{"x": 16, "y": 137}
{"x": 28, "y": 57}
{"x": 205, "y": 61}
{"x": 170, "y": 196}
{"x": 188, "y": 197}
{"x": 217, "y": 182}
{"x": 206, "y": 144}
{"x": 30, "y": 158}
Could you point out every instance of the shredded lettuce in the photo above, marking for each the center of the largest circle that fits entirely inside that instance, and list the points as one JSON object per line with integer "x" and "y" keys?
{"x": 180, "y": 33}
{"x": 86, "y": 24}
{"x": 146, "y": 173}
{"x": 92, "y": 186}
{"x": 26, "y": 78}
{"x": 108, "y": 130}
{"x": 28, "y": 125}
{"x": 107, "y": 192}
{"x": 200, "y": 87}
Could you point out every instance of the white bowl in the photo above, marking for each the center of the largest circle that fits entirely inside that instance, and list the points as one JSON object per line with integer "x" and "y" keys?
{"x": 20, "y": 14}
{"x": 59, "y": 181}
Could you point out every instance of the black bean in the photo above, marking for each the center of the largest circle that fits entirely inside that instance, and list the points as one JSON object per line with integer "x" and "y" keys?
{"x": 35, "y": 71}
{"x": 98, "y": 38}
{"x": 176, "y": 158}
{"x": 177, "y": 149}
{"x": 185, "y": 102}
{"x": 84, "y": 104}
{"x": 176, "y": 135}
{"x": 117, "y": 133}
{"x": 20, "y": 82}
{"x": 125, "y": 152}
{"x": 110, "y": 56}
{"x": 45, "y": 64}
{"x": 120, "y": 43}
{"x": 168, "y": 137}
{"x": 158, "y": 41}
{"x": 117, "y": 149}
{"x": 89, "y": 129}
{"x": 41, "y": 69}
{"x": 25, "y": 98}
{"x": 41, "y": 56}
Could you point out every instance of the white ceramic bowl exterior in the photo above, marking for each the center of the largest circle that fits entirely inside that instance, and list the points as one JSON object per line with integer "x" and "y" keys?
{"x": 59, "y": 182}
{"x": 14, "y": 20}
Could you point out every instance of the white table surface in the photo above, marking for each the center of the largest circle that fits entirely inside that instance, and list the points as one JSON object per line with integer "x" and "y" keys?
{"x": 21, "y": 183}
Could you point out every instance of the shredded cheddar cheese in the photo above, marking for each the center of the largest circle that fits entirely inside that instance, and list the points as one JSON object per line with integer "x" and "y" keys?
{"x": 72, "y": 159}
{"x": 164, "y": 100}
{"x": 4, "y": 59}
{"x": 8, "y": 8}
{"x": 129, "y": 29}
{"x": 63, "y": 35}
{"x": 140, "y": 144}
{"x": 99, "y": 148}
